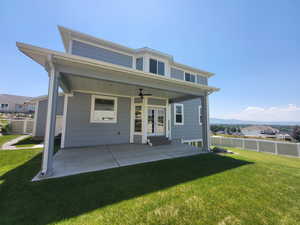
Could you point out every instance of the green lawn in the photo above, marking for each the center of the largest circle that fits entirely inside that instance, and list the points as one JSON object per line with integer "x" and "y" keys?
{"x": 248, "y": 188}
{"x": 6, "y": 138}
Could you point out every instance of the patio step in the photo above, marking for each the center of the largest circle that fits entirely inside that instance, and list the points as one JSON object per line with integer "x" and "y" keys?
{"x": 158, "y": 140}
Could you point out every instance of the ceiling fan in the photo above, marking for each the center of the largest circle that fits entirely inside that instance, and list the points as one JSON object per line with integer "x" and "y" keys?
{"x": 141, "y": 94}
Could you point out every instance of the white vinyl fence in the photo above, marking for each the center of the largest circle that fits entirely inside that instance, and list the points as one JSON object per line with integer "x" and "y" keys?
{"x": 21, "y": 126}
{"x": 275, "y": 147}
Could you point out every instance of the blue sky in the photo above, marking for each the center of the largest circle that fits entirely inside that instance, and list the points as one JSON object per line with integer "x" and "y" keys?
{"x": 253, "y": 47}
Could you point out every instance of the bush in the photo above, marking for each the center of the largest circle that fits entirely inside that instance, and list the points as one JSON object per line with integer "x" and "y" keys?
{"x": 6, "y": 128}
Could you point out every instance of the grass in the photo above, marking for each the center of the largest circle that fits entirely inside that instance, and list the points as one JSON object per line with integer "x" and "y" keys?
{"x": 246, "y": 188}
{"x": 28, "y": 142}
{"x": 6, "y": 138}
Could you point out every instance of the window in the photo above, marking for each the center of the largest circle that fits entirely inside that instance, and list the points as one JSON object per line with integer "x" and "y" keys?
{"x": 200, "y": 115}
{"x": 103, "y": 109}
{"x": 178, "y": 114}
{"x": 157, "y": 67}
{"x": 139, "y": 63}
{"x": 190, "y": 77}
{"x": 138, "y": 119}
{"x": 4, "y": 106}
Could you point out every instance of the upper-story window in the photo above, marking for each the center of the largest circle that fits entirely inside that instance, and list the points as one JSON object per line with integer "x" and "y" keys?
{"x": 190, "y": 77}
{"x": 157, "y": 67}
{"x": 139, "y": 63}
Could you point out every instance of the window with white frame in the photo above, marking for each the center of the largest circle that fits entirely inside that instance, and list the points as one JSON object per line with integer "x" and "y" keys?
{"x": 139, "y": 63}
{"x": 200, "y": 115}
{"x": 103, "y": 109}
{"x": 178, "y": 114}
{"x": 190, "y": 77}
{"x": 157, "y": 67}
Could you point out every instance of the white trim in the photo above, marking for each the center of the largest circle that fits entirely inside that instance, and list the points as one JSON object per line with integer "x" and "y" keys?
{"x": 157, "y": 106}
{"x": 158, "y": 59}
{"x": 36, "y": 112}
{"x": 167, "y": 119}
{"x": 93, "y": 98}
{"x": 145, "y": 120}
{"x": 132, "y": 119}
{"x": 191, "y": 74}
{"x": 104, "y": 47}
{"x": 102, "y": 93}
{"x": 65, "y": 112}
{"x": 170, "y": 120}
{"x": 182, "y": 112}
{"x": 200, "y": 114}
{"x": 70, "y": 46}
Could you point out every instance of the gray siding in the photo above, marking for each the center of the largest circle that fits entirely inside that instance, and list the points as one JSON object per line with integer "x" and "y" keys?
{"x": 202, "y": 80}
{"x": 191, "y": 128}
{"x": 80, "y": 132}
{"x": 90, "y": 51}
{"x": 177, "y": 74}
{"x": 42, "y": 114}
{"x": 156, "y": 101}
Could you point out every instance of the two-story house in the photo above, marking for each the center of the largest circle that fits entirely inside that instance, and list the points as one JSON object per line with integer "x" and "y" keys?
{"x": 113, "y": 94}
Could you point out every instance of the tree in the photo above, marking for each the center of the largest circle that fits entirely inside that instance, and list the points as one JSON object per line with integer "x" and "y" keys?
{"x": 296, "y": 133}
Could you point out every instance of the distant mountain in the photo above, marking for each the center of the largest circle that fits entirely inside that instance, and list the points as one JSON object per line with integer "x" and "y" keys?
{"x": 233, "y": 121}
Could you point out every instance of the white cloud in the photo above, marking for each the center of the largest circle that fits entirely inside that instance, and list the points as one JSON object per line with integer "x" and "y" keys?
{"x": 272, "y": 114}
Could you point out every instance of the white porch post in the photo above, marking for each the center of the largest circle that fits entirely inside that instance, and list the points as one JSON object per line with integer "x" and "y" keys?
{"x": 145, "y": 120}
{"x": 205, "y": 123}
{"x": 47, "y": 168}
{"x": 132, "y": 118}
{"x": 168, "y": 118}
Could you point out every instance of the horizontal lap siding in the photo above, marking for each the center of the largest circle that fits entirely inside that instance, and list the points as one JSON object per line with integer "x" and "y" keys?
{"x": 177, "y": 74}
{"x": 191, "y": 128}
{"x": 42, "y": 115}
{"x": 153, "y": 101}
{"x": 202, "y": 80}
{"x": 90, "y": 51}
{"x": 80, "y": 132}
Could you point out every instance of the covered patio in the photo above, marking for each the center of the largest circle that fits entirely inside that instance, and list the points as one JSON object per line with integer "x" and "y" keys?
{"x": 73, "y": 161}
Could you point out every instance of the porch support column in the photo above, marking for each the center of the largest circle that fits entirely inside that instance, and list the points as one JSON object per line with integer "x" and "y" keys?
{"x": 205, "y": 122}
{"x": 47, "y": 164}
{"x": 145, "y": 120}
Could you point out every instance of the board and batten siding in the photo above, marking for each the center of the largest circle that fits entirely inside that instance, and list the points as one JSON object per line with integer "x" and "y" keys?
{"x": 91, "y": 51}
{"x": 81, "y": 132}
{"x": 179, "y": 74}
{"x": 191, "y": 129}
{"x": 41, "y": 115}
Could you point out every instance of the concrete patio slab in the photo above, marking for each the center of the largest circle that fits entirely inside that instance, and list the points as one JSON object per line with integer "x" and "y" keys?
{"x": 81, "y": 160}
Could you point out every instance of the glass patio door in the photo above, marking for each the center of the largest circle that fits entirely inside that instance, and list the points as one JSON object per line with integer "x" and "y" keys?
{"x": 156, "y": 121}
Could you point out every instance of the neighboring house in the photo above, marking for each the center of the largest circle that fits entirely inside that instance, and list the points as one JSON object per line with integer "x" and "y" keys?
{"x": 114, "y": 95}
{"x": 15, "y": 104}
{"x": 260, "y": 131}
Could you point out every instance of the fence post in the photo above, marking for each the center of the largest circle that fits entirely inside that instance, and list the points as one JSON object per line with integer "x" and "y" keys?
{"x": 243, "y": 143}
{"x": 257, "y": 145}
{"x": 298, "y": 145}
{"x": 25, "y": 126}
{"x": 276, "y": 148}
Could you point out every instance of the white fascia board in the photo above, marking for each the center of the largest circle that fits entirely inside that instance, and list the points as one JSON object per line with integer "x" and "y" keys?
{"x": 33, "y": 51}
